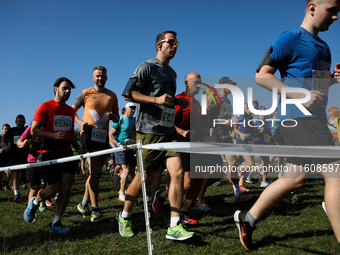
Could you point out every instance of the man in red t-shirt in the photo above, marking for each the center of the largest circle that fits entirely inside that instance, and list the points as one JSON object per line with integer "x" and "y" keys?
{"x": 54, "y": 123}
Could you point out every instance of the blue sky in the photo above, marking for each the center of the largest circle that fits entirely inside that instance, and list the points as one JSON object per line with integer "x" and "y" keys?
{"x": 44, "y": 40}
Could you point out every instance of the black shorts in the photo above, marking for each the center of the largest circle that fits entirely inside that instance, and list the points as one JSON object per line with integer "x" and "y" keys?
{"x": 53, "y": 173}
{"x": 307, "y": 132}
{"x": 18, "y": 161}
{"x": 35, "y": 174}
{"x": 89, "y": 145}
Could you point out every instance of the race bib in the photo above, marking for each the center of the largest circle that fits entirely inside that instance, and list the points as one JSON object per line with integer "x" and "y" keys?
{"x": 62, "y": 123}
{"x": 266, "y": 138}
{"x": 16, "y": 138}
{"x": 168, "y": 117}
{"x": 98, "y": 135}
{"x": 321, "y": 81}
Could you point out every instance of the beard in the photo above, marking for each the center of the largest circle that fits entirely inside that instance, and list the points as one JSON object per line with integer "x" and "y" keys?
{"x": 100, "y": 84}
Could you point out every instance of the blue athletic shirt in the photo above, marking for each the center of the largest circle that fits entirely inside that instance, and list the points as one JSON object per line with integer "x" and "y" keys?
{"x": 299, "y": 53}
{"x": 123, "y": 127}
{"x": 258, "y": 123}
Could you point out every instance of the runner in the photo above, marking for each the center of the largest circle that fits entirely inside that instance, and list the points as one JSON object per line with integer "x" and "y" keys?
{"x": 17, "y": 156}
{"x": 299, "y": 54}
{"x": 100, "y": 106}
{"x": 156, "y": 88}
{"x": 54, "y": 123}
{"x": 126, "y": 159}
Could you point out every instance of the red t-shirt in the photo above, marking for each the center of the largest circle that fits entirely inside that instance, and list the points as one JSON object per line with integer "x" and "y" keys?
{"x": 183, "y": 120}
{"x": 56, "y": 117}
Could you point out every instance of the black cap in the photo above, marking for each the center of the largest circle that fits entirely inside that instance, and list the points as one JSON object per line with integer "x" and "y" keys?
{"x": 227, "y": 80}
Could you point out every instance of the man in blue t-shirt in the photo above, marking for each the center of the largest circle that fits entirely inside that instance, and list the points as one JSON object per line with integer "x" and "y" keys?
{"x": 304, "y": 61}
{"x": 126, "y": 159}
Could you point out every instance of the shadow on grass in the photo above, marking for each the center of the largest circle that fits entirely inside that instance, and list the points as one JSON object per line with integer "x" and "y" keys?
{"x": 268, "y": 240}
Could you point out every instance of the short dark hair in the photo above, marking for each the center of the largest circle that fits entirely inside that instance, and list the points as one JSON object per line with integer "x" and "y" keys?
{"x": 61, "y": 80}
{"x": 161, "y": 36}
{"x": 20, "y": 116}
{"x": 100, "y": 68}
{"x": 6, "y": 125}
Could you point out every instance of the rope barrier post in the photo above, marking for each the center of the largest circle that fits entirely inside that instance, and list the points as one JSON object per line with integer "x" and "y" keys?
{"x": 145, "y": 197}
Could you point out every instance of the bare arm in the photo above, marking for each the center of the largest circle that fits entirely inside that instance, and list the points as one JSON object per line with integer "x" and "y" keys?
{"x": 266, "y": 78}
{"x": 37, "y": 131}
{"x": 83, "y": 125}
{"x": 132, "y": 131}
{"x": 23, "y": 143}
{"x": 139, "y": 98}
{"x": 4, "y": 143}
{"x": 112, "y": 139}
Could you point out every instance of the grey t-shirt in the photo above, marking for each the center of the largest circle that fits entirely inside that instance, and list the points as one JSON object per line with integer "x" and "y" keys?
{"x": 157, "y": 79}
{"x": 226, "y": 112}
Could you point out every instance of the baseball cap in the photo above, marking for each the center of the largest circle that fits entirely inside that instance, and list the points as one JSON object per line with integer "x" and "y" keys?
{"x": 227, "y": 80}
{"x": 130, "y": 105}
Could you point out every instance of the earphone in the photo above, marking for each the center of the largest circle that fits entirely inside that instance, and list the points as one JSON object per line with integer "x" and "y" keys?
{"x": 312, "y": 9}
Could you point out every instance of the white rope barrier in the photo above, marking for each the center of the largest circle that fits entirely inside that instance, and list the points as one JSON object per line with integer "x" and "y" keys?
{"x": 68, "y": 159}
{"x": 249, "y": 149}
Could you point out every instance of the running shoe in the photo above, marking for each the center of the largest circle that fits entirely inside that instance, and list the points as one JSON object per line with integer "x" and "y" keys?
{"x": 24, "y": 186}
{"x": 243, "y": 198}
{"x": 5, "y": 187}
{"x": 250, "y": 179}
{"x": 84, "y": 210}
{"x": 178, "y": 233}
{"x": 124, "y": 226}
{"x": 293, "y": 198}
{"x": 187, "y": 218}
{"x": 17, "y": 198}
{"x": 121, "y": 197}
{"x": 264, "y": 184}
{"x": 59, "y": 228}
{"x": 259, "y": 177}
{"x": 42, "y": 206}
{"x": 244, "y": 229}
{"x": 115, "y": 182}
{"x": 201, "y": 206}
{"x": 244, "y": 189}
{"x": 49, "y": 202}
{"x": 30, "y": 211}
{"x": 86, "y": 176}
{"x": 324, "y": 207}
{"x": 96, "y": 216}
{"x": 158, "y": 202}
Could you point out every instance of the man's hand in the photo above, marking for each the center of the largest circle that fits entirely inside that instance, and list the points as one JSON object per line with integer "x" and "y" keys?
{"x": 112, "y": 117}
{"x": 86, "y": 126}
{"x": 61, "y": 135}
{"x": 314, "y": 101}
{"x": 164, "y": 100}
{"x": 26, "y": 142}
{"x": 337, "y": 72}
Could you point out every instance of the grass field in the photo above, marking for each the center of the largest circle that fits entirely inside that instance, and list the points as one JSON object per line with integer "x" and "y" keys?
{"x": 287, "y": 229}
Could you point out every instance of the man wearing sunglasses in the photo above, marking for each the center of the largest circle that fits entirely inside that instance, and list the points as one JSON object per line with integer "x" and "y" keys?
{"x": 155, "y": 98}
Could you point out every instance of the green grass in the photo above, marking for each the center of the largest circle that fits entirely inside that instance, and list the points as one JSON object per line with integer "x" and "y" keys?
{"x": 287, "y": 229}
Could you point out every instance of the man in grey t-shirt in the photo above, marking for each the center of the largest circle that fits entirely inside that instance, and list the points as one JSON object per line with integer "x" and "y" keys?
{"x": 155, "y": 95}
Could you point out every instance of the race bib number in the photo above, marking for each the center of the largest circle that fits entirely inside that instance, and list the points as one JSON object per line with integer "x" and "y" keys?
{"x": 168, "y": 117}
{"x": 98, "y": 135}
{"x": 321, "y": 81}
{"x": 62, "y": 123}
{"x": 16, "y": 138}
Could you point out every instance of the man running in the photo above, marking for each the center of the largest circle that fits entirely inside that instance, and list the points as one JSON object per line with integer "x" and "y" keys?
{"x": 155, "y": 94}
{"x": 54, "y": 123}
{"x": 100, "y": 106}
{"x": 302, "y": 59}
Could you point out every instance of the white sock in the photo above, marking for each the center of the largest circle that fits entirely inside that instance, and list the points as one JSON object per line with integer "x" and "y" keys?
{"x": 126, "y": 215}
{"x": 16, "y": 192}
{"x": 174, "y": 221}
{"x": 56, "y": 219}
{"x": 237, "y": 190}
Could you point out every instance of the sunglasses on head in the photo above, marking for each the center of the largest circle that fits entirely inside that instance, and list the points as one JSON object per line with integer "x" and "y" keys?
{"x": 172, "y": 42}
